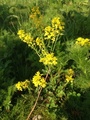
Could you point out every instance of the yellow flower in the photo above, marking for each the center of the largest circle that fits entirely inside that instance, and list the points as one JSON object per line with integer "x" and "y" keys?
{"x": 21, "y": 34}
{"x": 48, "y": 29}
{"x": 81, "y": 41}
{"x": 42, "y": 82}
{"x": 49, "y": 59}
{"x": 36, "y": 10}
{"x": 38, "y": 80}
{"x": 57, "y": 23}
{"x": 36, "y": 17}
{"x": 69, "y": 75}
{"x": 28, "y": 38}
{"x": 18, "y": 86}
{"x": 51, "y": 32}
{"x": 70, "y": 72}
{"x": 25, "y": 84}
{"x": 22, "y": 85}
{"x": 69, "y": 78}
{"x": 39, "y": 42}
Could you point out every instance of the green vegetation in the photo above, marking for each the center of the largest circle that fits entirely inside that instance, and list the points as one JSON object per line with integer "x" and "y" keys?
{"x": 44, "y": 59}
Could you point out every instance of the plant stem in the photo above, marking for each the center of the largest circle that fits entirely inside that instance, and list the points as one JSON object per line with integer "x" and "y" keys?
{"x": 34, "y": 104}
{"x": 39, "y": 92}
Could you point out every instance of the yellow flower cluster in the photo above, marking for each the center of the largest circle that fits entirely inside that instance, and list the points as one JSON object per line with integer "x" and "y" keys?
{"x": 51, "y": 32}
{"x": 69, "y": 75}
{"x": 38, "y": 80}
{"x": 57, "y": 24}
{"x": 49, "y": 59}
{"x": 81, "y": 41}
{"x": 36, "y": 17}
{"x": 21, "y": 34}
{"x": 39, "y": 42}
{"x": 42, "y": 48}
{"x": 26, "y": 37}
{"x": 22, "y": 85}
{"x": 35, "y": 12}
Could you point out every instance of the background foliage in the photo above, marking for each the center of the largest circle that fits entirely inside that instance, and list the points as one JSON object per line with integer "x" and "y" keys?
{"x": 19, "y": 62}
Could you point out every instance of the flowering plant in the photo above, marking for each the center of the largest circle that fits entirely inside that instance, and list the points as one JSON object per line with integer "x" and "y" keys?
{"x": 56, "y": 78}
{"x": 44, "y": 47}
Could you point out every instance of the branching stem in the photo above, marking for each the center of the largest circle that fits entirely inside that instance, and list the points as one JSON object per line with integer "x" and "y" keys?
{"x": 39, "y": 92}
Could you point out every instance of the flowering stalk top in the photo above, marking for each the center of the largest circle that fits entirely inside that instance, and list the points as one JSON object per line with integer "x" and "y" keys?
{"x": 56, "y": 28}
